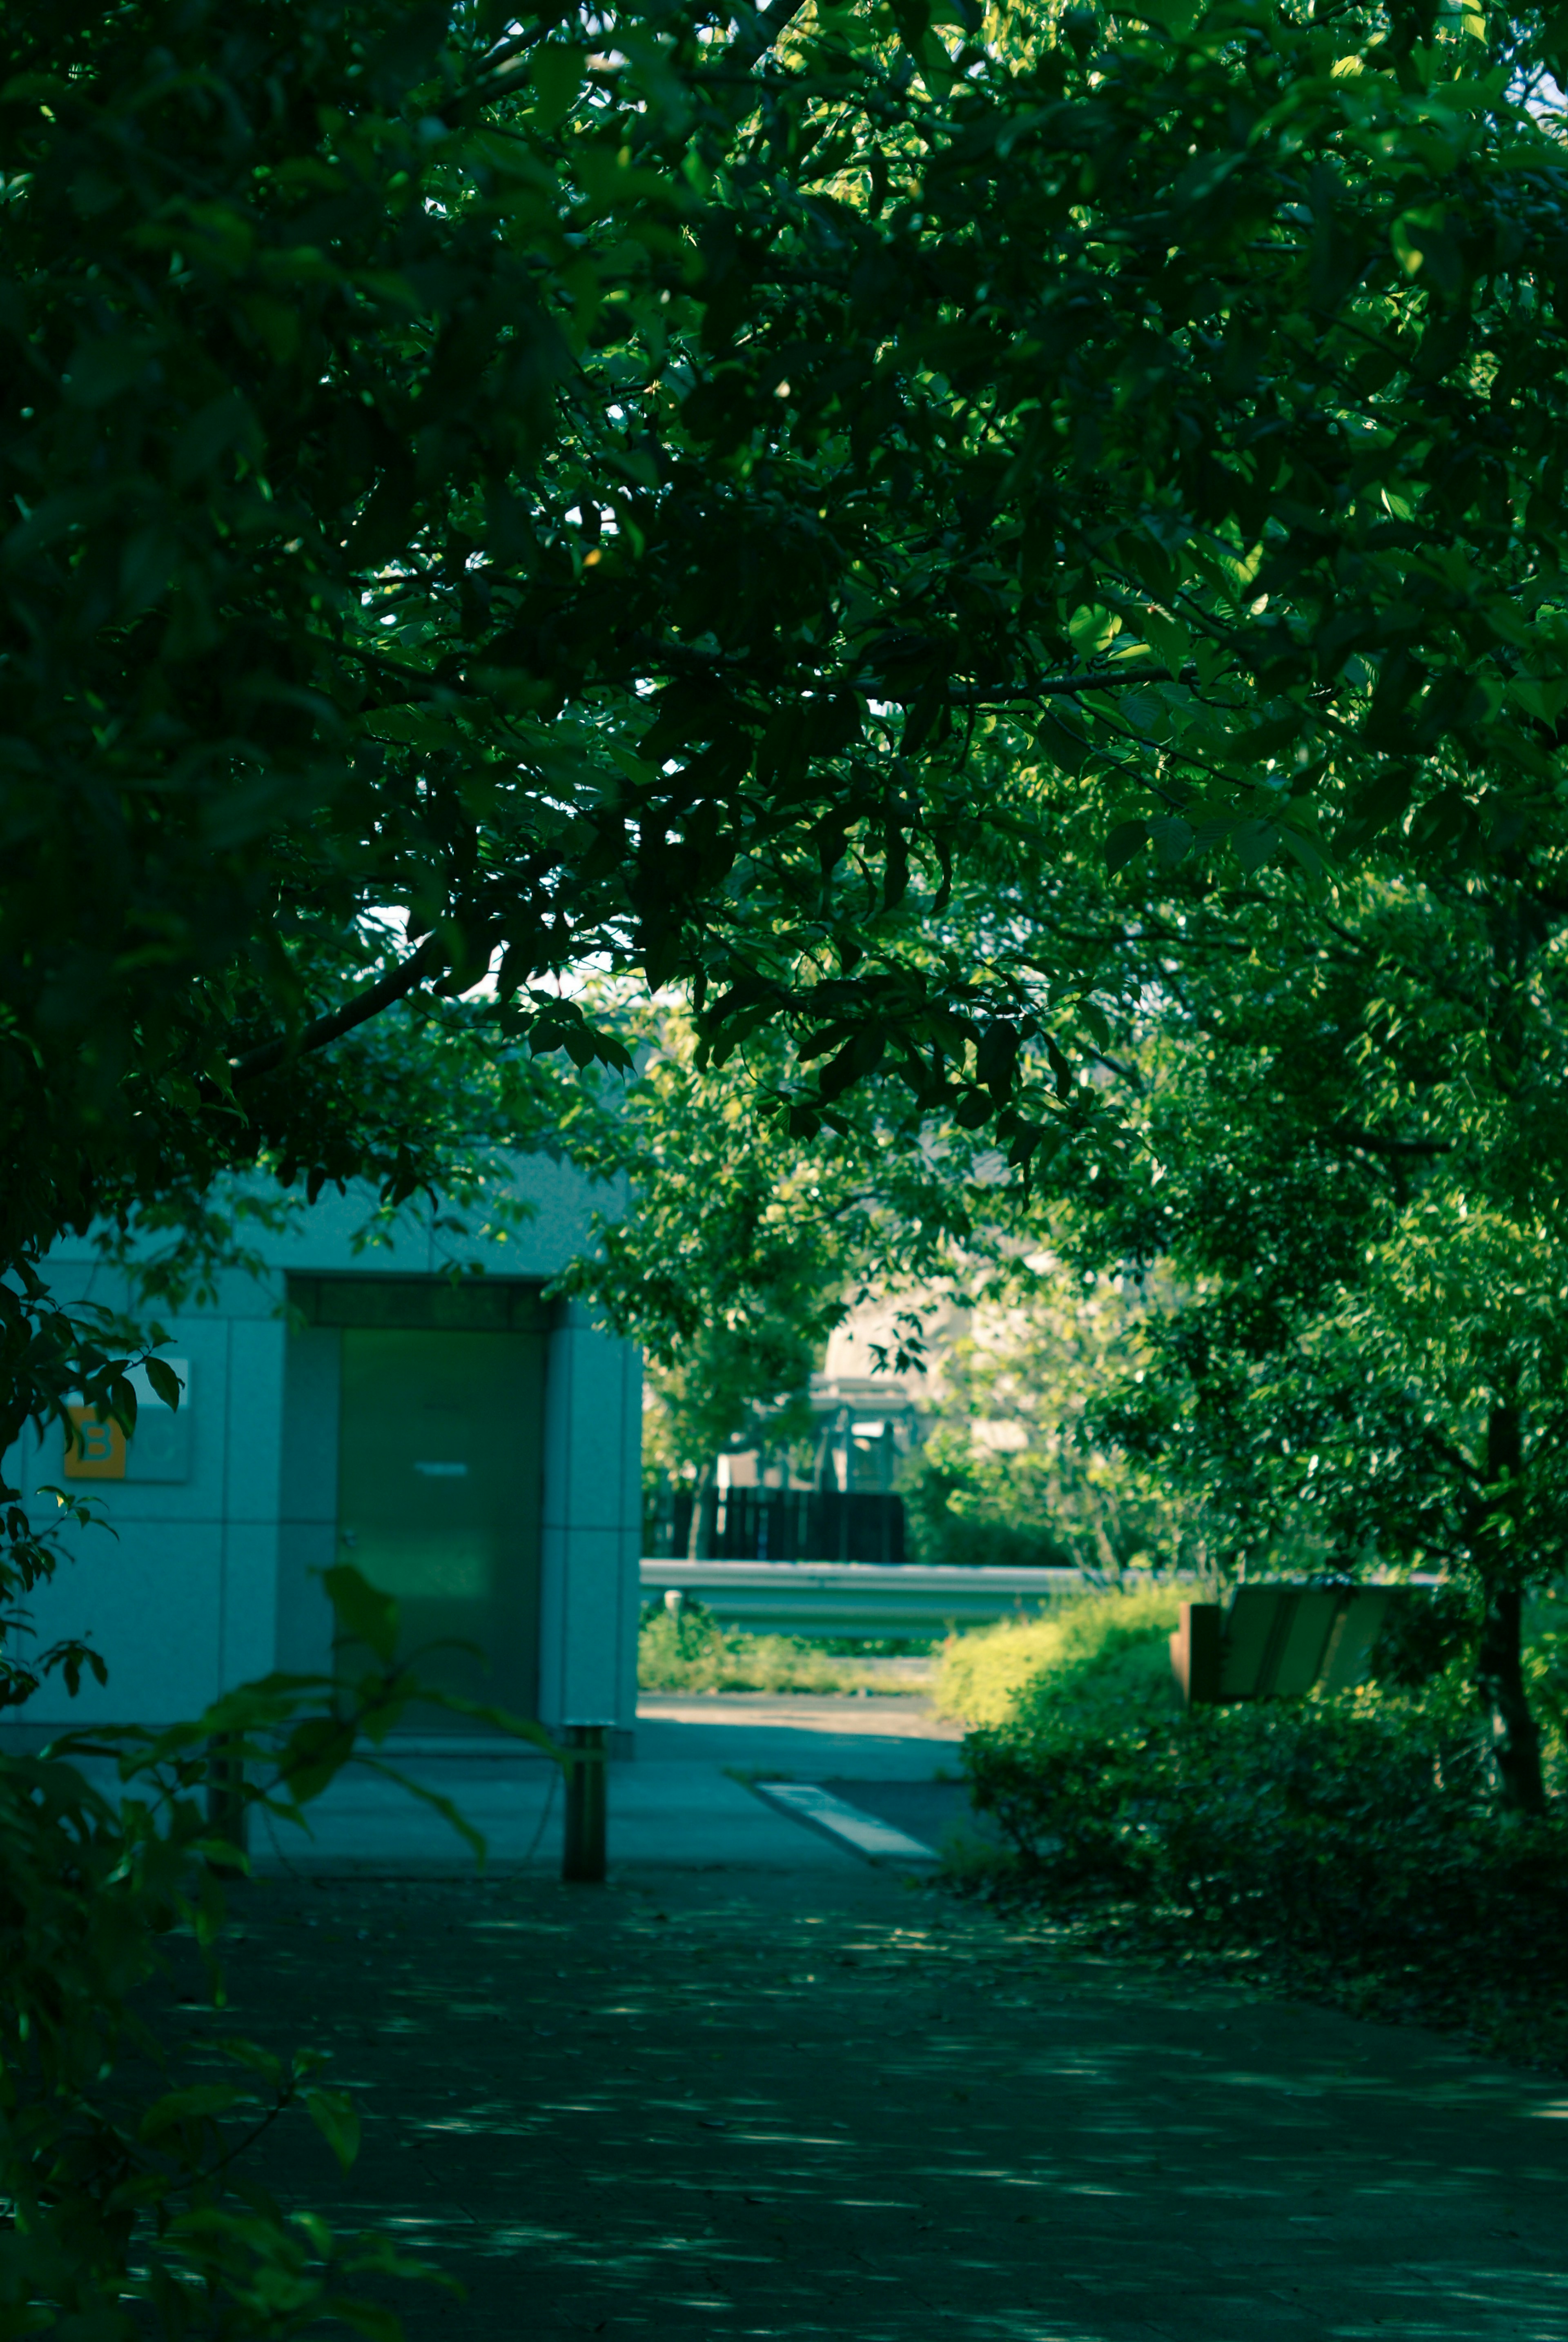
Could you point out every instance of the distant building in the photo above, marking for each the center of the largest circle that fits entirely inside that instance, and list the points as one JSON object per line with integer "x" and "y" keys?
{"x": 472, "y": 1447}
{"x": 841, "y": 1507}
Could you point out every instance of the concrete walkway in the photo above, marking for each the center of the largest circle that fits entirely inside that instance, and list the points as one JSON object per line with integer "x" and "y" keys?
{"x": 755, "y": 2088}
{"x": 678, "y": 1801}
{"x": 822, "y": 2103}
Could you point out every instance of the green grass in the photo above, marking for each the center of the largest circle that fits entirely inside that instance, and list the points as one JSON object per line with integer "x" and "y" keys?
{"x": 1097, "y": 1649}
{"x": 692, "y": 1652}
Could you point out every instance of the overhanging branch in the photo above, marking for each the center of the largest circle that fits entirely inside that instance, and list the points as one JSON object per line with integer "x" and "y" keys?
{"x": 394, "y": 984}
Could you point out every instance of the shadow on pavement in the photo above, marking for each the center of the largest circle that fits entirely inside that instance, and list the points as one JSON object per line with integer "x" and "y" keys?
{"x": 808, "y": 2105}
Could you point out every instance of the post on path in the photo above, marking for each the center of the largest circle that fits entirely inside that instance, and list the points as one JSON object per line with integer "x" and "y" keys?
{"x": 588, "y": 1804}
{"x": 228, "y": 1811}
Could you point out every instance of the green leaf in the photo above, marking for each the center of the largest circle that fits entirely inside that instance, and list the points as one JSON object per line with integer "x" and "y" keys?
{"x": 1094, "y": 1023}
{"x": 200, "y": 2102}
{"x": 252, "y": 2055}
{"x": 1092, "y": 627}
{"x": 1171, "y": 837}
{"x": 101, "y": 370}
{"x": 1168, "y": 638}
{"x": 556, "y": 73}
{"x": 332, "y": 2113}
{"x": 417, "y": 726}
{"x": 1255, "y": 842}
{"x": 313, "y": 1756}
{"x": 1062, "y": 742}
{"x": 165, "y": 1381}
{"x": 500, "y": 1719}
{"x": 1303, "y": 848}
{"x": 1128, "y": 838}
{"x": 370, "y": 1616}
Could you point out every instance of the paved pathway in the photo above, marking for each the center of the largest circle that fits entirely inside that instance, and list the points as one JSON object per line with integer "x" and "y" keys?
{"x": 801, "y": 2098}
{"x": 679, "y": 1800}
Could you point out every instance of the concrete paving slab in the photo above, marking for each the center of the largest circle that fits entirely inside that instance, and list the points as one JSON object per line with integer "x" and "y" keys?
{"x": 692, "y": 1816}
{"x": 367, "y": 1823}
{"x": 796, "y": 2106}
{"x": 938, "y": 1813}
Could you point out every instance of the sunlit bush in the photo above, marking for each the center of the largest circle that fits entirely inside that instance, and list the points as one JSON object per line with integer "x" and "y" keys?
{"x": 1104, "y": 1653}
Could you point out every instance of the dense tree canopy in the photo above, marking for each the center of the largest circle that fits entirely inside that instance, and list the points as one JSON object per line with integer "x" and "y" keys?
{"x": 599, "y": 492}
{"x": 695, "y": 492}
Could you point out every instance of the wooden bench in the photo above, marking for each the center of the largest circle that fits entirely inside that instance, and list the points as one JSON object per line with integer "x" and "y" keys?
{"x": 1276, "y": 1639}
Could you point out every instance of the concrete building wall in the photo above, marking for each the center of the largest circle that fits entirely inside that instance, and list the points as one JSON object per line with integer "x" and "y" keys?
{"x": 593, "y": 1525}
{"x": 207, "y": 1580}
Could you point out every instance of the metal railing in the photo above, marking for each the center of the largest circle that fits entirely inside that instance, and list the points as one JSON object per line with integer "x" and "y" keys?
{"x": 865, "y": 1598}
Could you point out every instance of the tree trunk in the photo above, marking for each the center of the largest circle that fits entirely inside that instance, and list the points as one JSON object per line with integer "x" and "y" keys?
{"x": 1516, "y": 1740}
{"x": 700, "y": 1540}
{"x": 1500, "y": 1672}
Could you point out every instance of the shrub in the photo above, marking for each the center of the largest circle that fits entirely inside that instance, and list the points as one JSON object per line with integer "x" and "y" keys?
{"x": 127, "y": 2206}
{"x": 1347, "y": 1844}
{"x": 1350, "y": 1843}
{"x": 964, "y": 1510}
{"x": 1105, "y": 1654}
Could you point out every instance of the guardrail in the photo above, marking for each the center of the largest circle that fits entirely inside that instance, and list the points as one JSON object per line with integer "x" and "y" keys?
{"x": 851, "y": 1597}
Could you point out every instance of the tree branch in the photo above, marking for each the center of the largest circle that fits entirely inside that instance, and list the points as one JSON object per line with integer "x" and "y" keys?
{"x": 394, "y": 984}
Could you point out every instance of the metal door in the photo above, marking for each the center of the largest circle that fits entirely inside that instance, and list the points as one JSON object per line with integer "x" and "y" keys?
{"x": 441, "y": 1437}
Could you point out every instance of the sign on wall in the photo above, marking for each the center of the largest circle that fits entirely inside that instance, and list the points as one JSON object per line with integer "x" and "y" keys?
{"x": 160, "y": 1449}
{"x": 97, "y": 1447}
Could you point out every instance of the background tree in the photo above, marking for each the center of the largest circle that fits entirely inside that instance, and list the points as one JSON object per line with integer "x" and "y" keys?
{"x": 1014, "y": 1468}
{"x": 739, "y": 1246}
{"x": 1352, "y": 1157}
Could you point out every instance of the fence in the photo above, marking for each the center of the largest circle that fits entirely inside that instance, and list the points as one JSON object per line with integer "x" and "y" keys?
{"x": 789, "y": 1525}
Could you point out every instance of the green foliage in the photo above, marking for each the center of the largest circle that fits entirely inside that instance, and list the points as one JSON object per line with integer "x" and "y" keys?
{"x": 745, "y": 1243}
{"x": 1016, "y": 1469}
{"x": 483, "y": 503}
{"x": 485, "y": 506}
{"x": 1339, "y": 1169}
{"x": 128, "y": 2201}
{"x": 688, "y": 1650}
{"x": 1094, "y": 1657}
{"x": 1034, "y": 1368}
{"x": 1347, "y": 1846}
{"x": 647, "y": 504}
{"x": 1546, "y": 1666}
{"x": 970, "y": 1509}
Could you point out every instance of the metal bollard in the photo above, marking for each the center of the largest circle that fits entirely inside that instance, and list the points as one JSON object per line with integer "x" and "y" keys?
{"x": 587, "y": 1771}
{"x": 228, "y": 1812}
